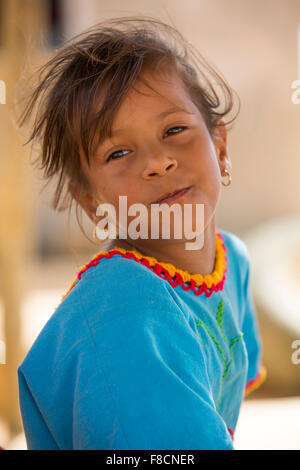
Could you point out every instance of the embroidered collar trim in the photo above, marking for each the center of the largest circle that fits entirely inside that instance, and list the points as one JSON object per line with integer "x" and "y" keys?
{"x": 199, "y": 283}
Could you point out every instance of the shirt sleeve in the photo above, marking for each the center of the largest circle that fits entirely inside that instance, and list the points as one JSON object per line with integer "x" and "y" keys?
{"x": 36, "y": 431}
{"x": 125, "y": 371}
{"x": 256, "y": 370}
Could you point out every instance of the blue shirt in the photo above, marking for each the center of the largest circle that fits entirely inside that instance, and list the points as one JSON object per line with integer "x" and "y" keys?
{"x": 131, "y": 359}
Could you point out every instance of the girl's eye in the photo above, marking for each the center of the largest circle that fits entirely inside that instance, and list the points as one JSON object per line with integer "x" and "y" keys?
{"x": 177, "y": 127}
{"x": 114, "y": 155}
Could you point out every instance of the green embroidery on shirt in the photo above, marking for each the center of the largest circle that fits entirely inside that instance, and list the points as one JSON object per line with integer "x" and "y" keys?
{"x": 226, "y": 368}
{"x": 202, "y": 343}
{"x": 200, "y": 323}
{"x": 219, "y": 317}
{"x": 233, "y": 342}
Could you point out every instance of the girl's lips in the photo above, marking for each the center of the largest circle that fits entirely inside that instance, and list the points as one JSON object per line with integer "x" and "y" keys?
{"x": 174, "y": 197}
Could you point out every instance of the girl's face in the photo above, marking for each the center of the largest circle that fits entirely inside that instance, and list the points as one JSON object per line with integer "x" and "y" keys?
{"x": 159, "y": 144}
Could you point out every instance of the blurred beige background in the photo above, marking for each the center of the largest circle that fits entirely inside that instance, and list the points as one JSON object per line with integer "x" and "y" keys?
{"x": 255, "y": 45}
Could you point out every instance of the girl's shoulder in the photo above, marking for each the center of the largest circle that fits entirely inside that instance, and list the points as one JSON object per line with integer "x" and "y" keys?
{"x": 116, "y": 275}
{"x": 105, "y": 290}
{"x": 109, "y": 276}
{"x": 234, "y": 244}
{"x": 113, "y": 280}
{"x": 237, "y": 254}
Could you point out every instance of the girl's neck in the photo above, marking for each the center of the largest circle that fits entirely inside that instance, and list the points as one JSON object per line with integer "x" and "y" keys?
{"x": 193, "y": 261}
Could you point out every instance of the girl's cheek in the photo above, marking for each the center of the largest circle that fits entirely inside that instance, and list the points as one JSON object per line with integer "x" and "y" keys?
{"x": 193, "y": 144}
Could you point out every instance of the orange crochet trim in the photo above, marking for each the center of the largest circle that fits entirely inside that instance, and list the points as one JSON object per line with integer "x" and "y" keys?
{"x": 253, "y": 384}
{"x": 199, "y": 283}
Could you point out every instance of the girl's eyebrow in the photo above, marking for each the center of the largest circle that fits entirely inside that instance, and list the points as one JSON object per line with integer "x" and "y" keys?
{"x": 176, "y": 109}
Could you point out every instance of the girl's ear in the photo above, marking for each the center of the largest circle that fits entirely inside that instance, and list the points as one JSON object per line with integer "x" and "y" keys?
{"x": 85, "y": 199}
{"x": 219, "y": 136}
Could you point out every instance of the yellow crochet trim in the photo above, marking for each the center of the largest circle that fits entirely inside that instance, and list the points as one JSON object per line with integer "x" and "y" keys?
{"x": 214, "y": 278}
{"x": 209, "y": 279}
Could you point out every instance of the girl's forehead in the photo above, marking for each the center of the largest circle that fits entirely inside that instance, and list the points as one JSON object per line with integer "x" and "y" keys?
{"x": 159, "y": 87}
{"x": 154, "y": 93}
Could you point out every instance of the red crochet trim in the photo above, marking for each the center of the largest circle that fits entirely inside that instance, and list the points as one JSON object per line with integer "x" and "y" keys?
{"x": 231, "y": 433}
{"x": 163, "y": 273}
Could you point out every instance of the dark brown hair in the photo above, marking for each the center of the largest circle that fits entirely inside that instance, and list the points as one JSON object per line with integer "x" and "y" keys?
{"x": 105, "y": 60}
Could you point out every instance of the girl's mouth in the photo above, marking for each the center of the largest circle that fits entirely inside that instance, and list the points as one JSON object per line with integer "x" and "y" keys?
{"x": 168, "y": 198}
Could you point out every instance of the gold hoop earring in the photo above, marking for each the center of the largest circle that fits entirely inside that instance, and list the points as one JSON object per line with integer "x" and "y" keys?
{"x": 229, "y": 178}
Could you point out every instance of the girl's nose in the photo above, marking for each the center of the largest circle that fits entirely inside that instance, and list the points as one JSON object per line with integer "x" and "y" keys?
{"x": 159, "y": 166}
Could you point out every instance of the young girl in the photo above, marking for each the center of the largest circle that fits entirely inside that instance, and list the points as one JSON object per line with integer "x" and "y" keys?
{"x": 153, "y": 346}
